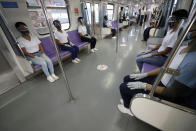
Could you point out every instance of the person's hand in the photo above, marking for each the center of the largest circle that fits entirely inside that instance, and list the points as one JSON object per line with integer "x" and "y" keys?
{"x": 146, "y": 52}
{"x": 146, "y": 56}
{"x": 136, "y": 85}
{"x": 138, "y": 76}
{"x": 71, "y": 44}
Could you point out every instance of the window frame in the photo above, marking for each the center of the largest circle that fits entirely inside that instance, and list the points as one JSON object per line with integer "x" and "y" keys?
{"x": 51, "y": 7}
{"x": 112, "y": 11}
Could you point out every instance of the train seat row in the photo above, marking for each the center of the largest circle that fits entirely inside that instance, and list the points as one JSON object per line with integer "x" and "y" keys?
{"x": 50, "y": 50}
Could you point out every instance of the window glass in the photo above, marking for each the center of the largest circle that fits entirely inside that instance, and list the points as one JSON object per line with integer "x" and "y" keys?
{"x": 110, "y": 11}
{"x": 56, "y": 10}
{"x": 96, "y": 13}
{"x": 88, "y": 6}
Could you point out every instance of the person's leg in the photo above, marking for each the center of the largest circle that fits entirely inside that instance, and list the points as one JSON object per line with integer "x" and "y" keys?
{"x": 49, "y": 63}
{"x": 86, "y": 39}
{"x": 93, "y": 42}
{"x": 41, "y": 61}
{"x": 76, "y": 50}
{"x": 155, "y": 60}
{"x": 127, "y": 94}
{"x": 139, "y": 62}
{"x": 70, "y": 49}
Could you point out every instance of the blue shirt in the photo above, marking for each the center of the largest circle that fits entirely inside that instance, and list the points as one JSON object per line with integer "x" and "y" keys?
{"x": 187, "y": 71}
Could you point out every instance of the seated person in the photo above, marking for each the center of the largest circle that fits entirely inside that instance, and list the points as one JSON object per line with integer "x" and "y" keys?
{"x": 158, "y": 55}
{"x": 32, "y": 48}
{"x": 106, "y": 23}
{"x": 171, "y": 88}
{"x": 64, "y": 43}
{"x": 84, "y": 35}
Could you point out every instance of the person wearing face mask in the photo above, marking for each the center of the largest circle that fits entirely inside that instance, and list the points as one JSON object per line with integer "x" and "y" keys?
{"x": 32, "y": 48}
{"x": 64, "y": 43}
{"x": 172, "y": 87}
{"x": 158, "y": 55}
{"x": 84, "y": 35}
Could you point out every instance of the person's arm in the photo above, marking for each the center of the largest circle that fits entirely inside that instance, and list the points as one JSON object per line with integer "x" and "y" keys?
{"x": 26, "y": 53}
{"x": 158, "y": 90}
{"x": 154, "y": 72}
{"x": 59, "y": 43}
{"x": 164, "y": 52}
{"x": 156, "y": 47}
{"x": 41, "y": 48}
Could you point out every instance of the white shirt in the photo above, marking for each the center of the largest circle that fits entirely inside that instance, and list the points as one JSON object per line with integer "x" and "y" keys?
{"x": 142, "y": 12}
{"x": 82, "y": 29}
{"x": 174, "y": 65}
{"x": 31, "y": 46}
{"x": 169, "y": 40}
{"x": 62, "y": 37}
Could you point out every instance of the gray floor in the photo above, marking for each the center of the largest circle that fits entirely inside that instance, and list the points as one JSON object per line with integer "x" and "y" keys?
{"x": 38, "y": 105}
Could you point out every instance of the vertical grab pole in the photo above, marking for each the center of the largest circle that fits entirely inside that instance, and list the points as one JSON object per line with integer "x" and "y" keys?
{"x": 117, "y": 39}
{"x": 100, "y": 18}
{"x": 71, "y": 98}
{"x": 172, "y": 55}
{"x": 93, "y": 17}
{"x": 88, "y": 19}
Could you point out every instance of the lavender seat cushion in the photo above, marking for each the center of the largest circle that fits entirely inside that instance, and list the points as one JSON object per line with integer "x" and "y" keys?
{"x": 75, "y": 38}
{"x": 148, "y": 67}
{"x": 114, "y": 24}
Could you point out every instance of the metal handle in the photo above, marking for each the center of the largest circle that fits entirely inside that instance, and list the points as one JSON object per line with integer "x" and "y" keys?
{"x": 71, "y": 98}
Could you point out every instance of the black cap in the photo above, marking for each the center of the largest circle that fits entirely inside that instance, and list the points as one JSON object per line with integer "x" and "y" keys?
{"x": 180, "y": 14}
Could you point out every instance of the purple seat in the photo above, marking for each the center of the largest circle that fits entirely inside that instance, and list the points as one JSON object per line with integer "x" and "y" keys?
{"x": 114, "y": 24}
{"x": 75, "y": 38}
{"x": 148, "y": 67}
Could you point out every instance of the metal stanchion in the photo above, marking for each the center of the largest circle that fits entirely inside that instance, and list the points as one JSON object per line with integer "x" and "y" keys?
{"x": 117, "y": 39}
{"x": 71, "y": 98}
{"x": 100, "y": 18}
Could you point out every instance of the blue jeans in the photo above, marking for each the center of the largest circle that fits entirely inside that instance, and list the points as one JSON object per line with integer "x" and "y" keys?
{"x": 73, "y": 49}
{"x": 154, "y": 60}
{"x": 44, "y": 61}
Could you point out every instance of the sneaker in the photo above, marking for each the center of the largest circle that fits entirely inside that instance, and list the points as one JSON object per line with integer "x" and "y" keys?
{"x": 92, "y": 50}
{"x": 95, "y": 49}
{"x": 50, "y": 79}
{"x": 121, "y": 101}
{"x": 124, "y": 110}
{"x": 114, "y": 37}
{"x": 75, "y": 61}
{"x": 55, "y": 77}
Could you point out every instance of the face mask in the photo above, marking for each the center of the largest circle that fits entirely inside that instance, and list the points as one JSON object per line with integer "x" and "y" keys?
{"x": 171, "y": 24}
{"x": 58, "y": 26}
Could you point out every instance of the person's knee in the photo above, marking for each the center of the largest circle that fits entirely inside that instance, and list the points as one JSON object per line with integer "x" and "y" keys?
{"x": 126, "y": 78}
{"x": 43, "y": 63}
{"x": 122, "y": 87}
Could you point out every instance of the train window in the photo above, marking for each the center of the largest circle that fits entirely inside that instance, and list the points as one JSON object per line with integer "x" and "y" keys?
{"x": 96, "y": 13}
{"x": 88, "y": 7}
{"x": 110, "y": 11}
{"x": 57, "y": 10}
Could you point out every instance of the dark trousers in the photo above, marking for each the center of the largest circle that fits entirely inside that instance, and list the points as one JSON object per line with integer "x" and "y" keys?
{"x": 138, "y": 19}
{"x": 73, "y": 49}
{"x": 91, "y": 40}
{"x": 113, "y": 32}
{"x": 127, "y": 94}
{"x": 141, "y": 20}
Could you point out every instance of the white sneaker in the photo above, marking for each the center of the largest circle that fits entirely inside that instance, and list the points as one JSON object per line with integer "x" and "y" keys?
{"x": 95, "y": 49}
{"x": 50, "y": 79}
{"x": 114, "y": 37}
{"x": 121, "y": 101}
{"x": 92, "y": 50}
{"x": 75, "y": 61}
{"x": 124, "y": 110}
{"x": 55, "y": 77}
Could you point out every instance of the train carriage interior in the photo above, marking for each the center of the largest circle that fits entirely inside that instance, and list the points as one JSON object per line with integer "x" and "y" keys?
{"x": 97, "y": 65}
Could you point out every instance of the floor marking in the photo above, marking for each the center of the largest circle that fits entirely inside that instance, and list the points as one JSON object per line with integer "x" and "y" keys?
{"x": 123, "y": 45}
{"x": 102, "y": 67}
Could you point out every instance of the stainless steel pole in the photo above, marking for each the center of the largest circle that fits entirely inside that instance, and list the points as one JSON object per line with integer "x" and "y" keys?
{"x": 71, "y": 98}
{"x": 93, "y": 17}
{"x": 117, "y": 39}
{"x": 88, "y": 18}
{"x": 173, "y": 53}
